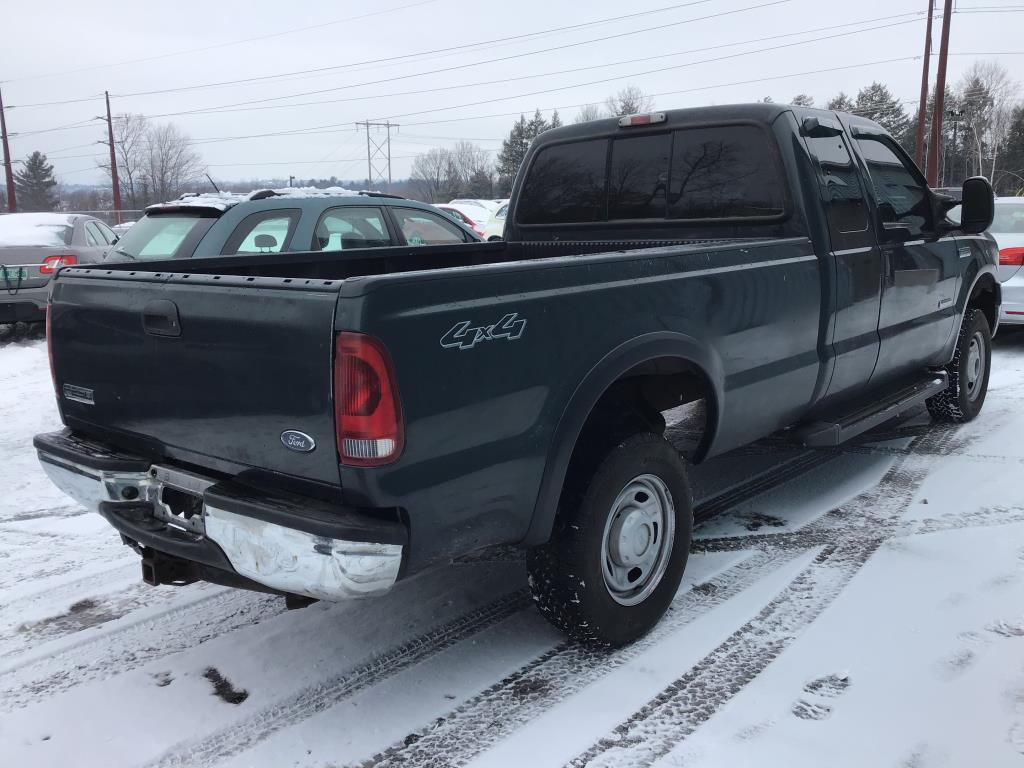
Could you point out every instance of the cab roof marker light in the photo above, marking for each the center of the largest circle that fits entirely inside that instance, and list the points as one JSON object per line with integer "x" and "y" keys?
{"x": 648, "y": 119}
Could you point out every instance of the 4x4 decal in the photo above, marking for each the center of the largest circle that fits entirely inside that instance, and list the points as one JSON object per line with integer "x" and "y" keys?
{"x": 463, "y": 336}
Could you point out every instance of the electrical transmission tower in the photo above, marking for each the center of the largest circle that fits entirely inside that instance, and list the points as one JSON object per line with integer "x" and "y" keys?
{"x": 378, "y": 153}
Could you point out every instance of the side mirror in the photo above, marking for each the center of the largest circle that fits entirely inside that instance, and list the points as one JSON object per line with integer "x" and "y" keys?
{"x": 265, "y": 241}
{"x": 116, "y": 240}
{"x": 978, "y": 207}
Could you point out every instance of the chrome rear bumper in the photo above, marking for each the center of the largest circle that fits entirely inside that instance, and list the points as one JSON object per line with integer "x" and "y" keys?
{"x": 278, "y": 557}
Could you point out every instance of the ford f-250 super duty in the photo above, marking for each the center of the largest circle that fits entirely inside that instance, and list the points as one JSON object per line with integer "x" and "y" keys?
{"x": 324, "y": 424}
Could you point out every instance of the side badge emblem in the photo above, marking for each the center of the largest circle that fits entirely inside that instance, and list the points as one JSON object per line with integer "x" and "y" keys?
{"x": 297, "y": 441}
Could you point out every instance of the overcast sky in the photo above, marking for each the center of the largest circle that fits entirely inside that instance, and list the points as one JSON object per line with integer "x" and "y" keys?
{"x": 56, "y": 51}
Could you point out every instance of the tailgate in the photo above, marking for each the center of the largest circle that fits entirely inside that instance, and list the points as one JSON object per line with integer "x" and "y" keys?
{"x": 195, "y": 365}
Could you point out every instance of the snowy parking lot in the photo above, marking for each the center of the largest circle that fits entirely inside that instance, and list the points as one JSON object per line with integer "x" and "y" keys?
{"x": 856, "y": 607}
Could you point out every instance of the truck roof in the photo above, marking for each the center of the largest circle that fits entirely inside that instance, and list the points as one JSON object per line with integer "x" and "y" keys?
{"x": 757, "y": 112}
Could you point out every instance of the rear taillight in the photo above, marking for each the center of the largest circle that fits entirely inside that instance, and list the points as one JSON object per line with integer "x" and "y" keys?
{"x": 367, "y": 407}
{"x": 1011, "y": 257}
{"x": 52, "y": 263}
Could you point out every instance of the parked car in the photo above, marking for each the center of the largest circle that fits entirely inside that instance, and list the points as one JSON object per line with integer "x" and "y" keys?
{"x": 495, "y": 229}
{"x": 124, "y": 226}
{"x": 285, "y": 220}
{"x": 1008, "y": 231}
{"x": 33, "y": 246}
{"x": 323, "y": 426}
{"x": 466, "y": 216}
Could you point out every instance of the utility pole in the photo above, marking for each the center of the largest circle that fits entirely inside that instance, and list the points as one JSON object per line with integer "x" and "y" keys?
{"x": 12, "y": 204}
{"x": 113, "y": 162}
{"x": 940, "y": 96}
{"x": 922, "y": 107}
{"x": 378, "y": 154}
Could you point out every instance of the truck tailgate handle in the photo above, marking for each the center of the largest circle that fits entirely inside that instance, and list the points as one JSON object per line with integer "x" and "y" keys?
{"x": 160, "y": 318}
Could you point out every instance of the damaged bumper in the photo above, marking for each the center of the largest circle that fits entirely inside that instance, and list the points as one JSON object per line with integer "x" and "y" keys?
{"x": 285, "y": 543}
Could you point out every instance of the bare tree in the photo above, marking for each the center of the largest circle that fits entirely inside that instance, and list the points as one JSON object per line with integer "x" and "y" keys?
{"x": 172, "y": 165}
{"x": 429, "y": 174}
{"x": 988, "y": 97}
{"x": 130, "y": 134}
{"x": 588, "y": 113}
{"x": 629, "y": 101}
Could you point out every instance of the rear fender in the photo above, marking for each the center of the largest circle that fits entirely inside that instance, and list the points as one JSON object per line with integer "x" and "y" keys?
{"x": 589, "y": 392}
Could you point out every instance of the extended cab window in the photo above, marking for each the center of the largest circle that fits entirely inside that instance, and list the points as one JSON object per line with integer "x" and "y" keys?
{"x": 265, "y": 232}
{"x": 343, "y": 228}
{"x": 423, "y": 228}
{"x": 901, "y": 195}
{"x": 840, "y": 187}
{"x": 566, "y": 184}
{"x": 164, "y": 235}
{"x": 727, "y": 171}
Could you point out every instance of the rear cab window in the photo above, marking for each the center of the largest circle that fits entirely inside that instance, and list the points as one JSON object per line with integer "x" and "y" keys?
{"x": 168, "y": 235}
{"x": 704, "y": 173}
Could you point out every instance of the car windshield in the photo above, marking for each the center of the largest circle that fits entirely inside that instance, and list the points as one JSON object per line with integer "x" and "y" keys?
{"x": 28, "y": 230}
{"x": 1009, "y": 218}
{"x": 160, "y": 236}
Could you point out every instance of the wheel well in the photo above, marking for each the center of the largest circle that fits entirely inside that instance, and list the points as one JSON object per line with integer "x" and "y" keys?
{"x": 985, "y": 297}
{"x": 666, "y": 395}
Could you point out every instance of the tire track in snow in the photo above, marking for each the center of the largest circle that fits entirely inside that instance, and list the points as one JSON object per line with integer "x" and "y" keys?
{"x": 485, "y": 719}
{"x": 687, "y": 702}
{"x": 221, "y": 745}
{"x": 327, "y": 693}
{"x": 123, "y": 648}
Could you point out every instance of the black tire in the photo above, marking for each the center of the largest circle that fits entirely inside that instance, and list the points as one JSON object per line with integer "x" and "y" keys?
{"x": 965, "y": 396}
{"x": 567, "y": 575}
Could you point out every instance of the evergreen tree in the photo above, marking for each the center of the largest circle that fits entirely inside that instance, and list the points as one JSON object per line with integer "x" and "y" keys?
{"x": 802, "y": 100}
{"x": 536, "y": 126}
{"x": 841, "y": 103}
{"x": 35, "y": 184}
{"x": 556, "y": 121}
{"x": 876, "y": 102}
{"x": 513, "y": 150}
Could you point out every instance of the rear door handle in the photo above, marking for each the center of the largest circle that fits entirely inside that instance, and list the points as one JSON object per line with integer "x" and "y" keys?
{"x": 160, "y": 318}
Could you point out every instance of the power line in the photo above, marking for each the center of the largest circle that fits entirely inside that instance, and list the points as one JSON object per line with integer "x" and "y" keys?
{"x": 229, "y": 107}
{"x": 228, "y": 44}
{"x": 401, "y": 57}
{"x": 465, "y": 86}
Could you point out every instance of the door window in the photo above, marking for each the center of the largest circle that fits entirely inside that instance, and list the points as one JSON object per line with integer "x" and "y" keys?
{"x": 901, "y": 194}
{"x": 423, "y": 228}
{"x": 93, "y": 236}
{"x": 266, "y": 232}
{"x": 347, "y": 227}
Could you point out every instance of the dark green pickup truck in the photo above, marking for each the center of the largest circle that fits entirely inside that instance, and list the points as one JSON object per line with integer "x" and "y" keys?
{"x": 324, "y": 424}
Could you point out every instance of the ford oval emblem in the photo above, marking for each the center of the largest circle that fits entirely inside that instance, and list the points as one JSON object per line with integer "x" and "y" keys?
{"x": 297, "y": 441}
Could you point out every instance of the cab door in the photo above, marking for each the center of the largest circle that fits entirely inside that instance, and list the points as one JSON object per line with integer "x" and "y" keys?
{"x": 920, "y": 265}
{"x": 855, "y": 259}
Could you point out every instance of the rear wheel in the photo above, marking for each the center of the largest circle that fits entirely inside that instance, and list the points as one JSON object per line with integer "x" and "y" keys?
{"x": 619, "y": 548}
{"x": 968, "y": 372}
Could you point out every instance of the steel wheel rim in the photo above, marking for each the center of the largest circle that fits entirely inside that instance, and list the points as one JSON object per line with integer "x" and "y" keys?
{"x": 637, "y": 541}
{"x": 975, "y": 365}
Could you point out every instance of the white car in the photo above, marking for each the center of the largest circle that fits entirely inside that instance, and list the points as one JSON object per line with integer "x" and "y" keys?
{"x": 473, "y": 204}
{"x": 1008, "y": 230}
{"x": 473, "y": 217}
{"x": 495, "y": 229}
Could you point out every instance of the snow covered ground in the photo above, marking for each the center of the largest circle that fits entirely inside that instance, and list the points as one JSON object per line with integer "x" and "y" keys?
{"x": 862, "y": 607}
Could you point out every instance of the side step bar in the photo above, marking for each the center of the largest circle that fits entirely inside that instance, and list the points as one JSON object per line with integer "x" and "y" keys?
{"x": 829, "y": 434}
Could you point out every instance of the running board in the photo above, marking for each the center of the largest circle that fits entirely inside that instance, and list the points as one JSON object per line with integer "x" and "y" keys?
{"x": 829, "y": 434}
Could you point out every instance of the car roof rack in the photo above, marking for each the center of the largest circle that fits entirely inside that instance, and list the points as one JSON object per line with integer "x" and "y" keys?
{"x": 370, "y": 193}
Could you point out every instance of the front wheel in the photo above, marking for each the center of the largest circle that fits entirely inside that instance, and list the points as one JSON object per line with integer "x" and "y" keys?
{"x": 619, "y": 547}
{"x": 968, "y": 372}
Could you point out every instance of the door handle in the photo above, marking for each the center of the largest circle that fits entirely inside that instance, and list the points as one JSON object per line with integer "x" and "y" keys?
{"x": 160, "y": 318}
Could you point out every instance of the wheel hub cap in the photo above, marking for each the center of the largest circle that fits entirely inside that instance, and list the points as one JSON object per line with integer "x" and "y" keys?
{"x": 638, "y": 539}
{"x": 975, "y": 368}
